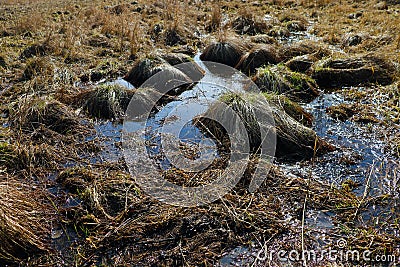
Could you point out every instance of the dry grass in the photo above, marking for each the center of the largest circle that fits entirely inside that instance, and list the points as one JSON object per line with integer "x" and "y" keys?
{"x": 116, "y": 223}
{"x": 25, "y": 218}
{"x": 105, "y": 101}
{"x": 32, "y": 112}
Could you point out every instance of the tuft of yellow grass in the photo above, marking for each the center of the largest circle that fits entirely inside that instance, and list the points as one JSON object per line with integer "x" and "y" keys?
{"x": 24, "y": 220}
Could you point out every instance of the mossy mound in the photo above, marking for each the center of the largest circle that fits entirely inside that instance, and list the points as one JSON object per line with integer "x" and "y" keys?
{"x": 227, "y": 52}
{"x": 257, "y": 57}
{"x": 30, "y": 113}
{"x": 294, "y": 141}
{"x": 354, "y": 71}
{"x": 279, "y": 79}
{"x": 107, "y": 101}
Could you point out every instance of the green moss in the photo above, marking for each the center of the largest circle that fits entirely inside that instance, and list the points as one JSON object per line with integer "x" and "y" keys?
{"x": 300, "y": 80}
{"x": 280, "y": 79}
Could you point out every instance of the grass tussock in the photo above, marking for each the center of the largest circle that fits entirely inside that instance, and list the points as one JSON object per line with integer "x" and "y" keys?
{"x": 257, "y": 57}
{"x": 303, "y": 48}
{"x": 292, "y": 108}
{"x": 32, "y": 112}
{"x": 108, "y": 101}
{"x": 279, "y": 79}
{"x": 225, "y": 52}
{"x": 18, "y": 158}
{"x": 40, "y": 67}
{"x": 48, "y": 46}
{"x": 24, "y": 220}
{"x": 294, "y": 141}
{"x": 247, "y": 23}
{"x": 145, "y": 68}
{"x": 353, "y": 71}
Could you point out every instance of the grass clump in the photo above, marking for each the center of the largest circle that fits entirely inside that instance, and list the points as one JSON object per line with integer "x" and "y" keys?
{"x": 293, "y": 109}
{"x": 342, "y": 111}
{"x": 24, "y": 221}
{"x": 225, "y": 52}
{"x": 39, "y": 66}
{"x": 281, "y": 80}
{"x": 18, "y": 157}
{"x": 3, "y": 63}
{"x": 302, "y": 63}
{"x": 107, "y": 101}
{"x": 259, "y": 56}
{"x": 293, "y": 22}
{"x": 76, "y": 179}
{"x": 7, "y": 155}
{"x": 40, "y": 49}
{"x": 246, "y": 23}
{"x": 303, "y": 48}
{"x": 32, "y": 112}
{"x": 294, "y": 141}
{"x": 354, "y": 71}
{"x": 143, "y": 69}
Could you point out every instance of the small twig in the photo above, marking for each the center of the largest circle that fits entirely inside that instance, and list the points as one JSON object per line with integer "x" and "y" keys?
{"x": 302, "y": 230}
{"x": 366, "y": 190}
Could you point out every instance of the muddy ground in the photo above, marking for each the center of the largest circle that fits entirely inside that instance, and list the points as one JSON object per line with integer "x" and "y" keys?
{"x": 66, "y": 195}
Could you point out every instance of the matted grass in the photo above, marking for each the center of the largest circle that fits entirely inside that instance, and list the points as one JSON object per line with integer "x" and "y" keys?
{"x": 116, "y": 223}
{"x": 25, "y": 220}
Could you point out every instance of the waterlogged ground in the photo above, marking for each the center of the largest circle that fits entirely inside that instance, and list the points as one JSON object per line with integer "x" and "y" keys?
{"x": 93, "y": 213}
{"x": 362, "y": 160}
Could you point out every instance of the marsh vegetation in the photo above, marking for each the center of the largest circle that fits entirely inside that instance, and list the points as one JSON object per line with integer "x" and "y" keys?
{"x": 328, "y": 70}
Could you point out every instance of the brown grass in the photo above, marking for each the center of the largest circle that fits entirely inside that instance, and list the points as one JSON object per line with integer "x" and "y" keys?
{"x": 118, "y": 224}
{"x": 25, "y": 219}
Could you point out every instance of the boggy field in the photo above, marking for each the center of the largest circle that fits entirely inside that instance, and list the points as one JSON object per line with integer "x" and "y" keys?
{"x": 328, "y": 71}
